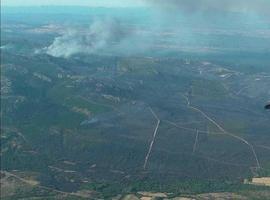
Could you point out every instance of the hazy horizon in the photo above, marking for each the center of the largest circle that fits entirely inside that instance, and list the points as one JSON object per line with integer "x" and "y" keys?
{"x": 246, "y": 6}
{"x": 91, "y": 3}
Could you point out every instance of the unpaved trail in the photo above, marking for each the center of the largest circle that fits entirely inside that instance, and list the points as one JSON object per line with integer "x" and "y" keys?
{"x": 36, "y": 184}
{"x": 153, "y": 139}
{"x": 178, "y": 126}
{"x": 196, "y": 141}
{"x": 30, "y": 182}
{"x": 202, "y": 156}
{"x": 224, "y": 131}
{"x": 17, "y": 132}
{"x": 192, "y": 129}
{"x": 100, "y": 104}
{"x": 263, "y": 146}
{"x": 22, "y": 136}
{"x": 241, "y": 90}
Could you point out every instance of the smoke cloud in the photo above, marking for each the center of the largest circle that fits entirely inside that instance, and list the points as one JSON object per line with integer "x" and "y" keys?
{"x": 258, "y": 6}
{"x": 101, "y": 34}
{"x": 174, "y": 26}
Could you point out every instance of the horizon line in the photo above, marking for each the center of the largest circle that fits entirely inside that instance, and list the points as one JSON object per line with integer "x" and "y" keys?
{"x": 86, "y": 6}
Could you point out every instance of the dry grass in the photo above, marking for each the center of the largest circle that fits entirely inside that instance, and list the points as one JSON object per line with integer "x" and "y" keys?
{"x": 261, "y": 181}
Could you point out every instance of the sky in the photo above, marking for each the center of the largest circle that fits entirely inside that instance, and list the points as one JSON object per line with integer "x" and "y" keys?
{"x": 104, "y": 3}
{"x": 258, "y": 6}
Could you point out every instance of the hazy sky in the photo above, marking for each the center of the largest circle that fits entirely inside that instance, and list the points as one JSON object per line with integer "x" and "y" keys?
{"x": 107, "y": 3}
{"x": 257, "y": 6}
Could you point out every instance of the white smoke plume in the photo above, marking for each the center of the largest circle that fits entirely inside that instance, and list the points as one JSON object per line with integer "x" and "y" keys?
{"x": 258, "y": 6}
{"x": 100, "y": 35}
{"x": 165, "y": 30}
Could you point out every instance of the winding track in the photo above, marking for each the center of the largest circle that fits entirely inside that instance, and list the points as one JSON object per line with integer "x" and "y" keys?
{"x": 224, "y": 131}
{"x": 36, "y": 184}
